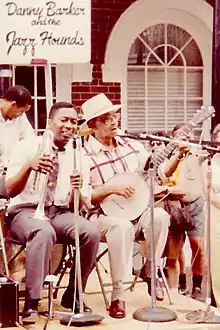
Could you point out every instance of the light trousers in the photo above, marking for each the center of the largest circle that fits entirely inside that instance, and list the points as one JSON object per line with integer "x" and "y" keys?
{"x": 120, "y": 235}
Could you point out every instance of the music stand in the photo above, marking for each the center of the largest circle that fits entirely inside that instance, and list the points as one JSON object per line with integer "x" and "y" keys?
{"x": 153, "y": 313}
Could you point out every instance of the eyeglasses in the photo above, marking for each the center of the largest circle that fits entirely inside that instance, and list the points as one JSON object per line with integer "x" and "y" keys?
{"x": 108, "y": 119}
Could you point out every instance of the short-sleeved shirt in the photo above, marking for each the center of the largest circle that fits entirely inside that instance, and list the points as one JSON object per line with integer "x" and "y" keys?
{"x": 189, "y": 178}
{"x": 26, "y": 150}
{"x": 11, "y": 132}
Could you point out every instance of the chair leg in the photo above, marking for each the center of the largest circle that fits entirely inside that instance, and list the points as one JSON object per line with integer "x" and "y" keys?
{"x": 50, "y": 300}
{"x": 22, "y": 248}
{"x": 62, "y": 273}
{"x": 50, "y": 279}
{"x": 102, "y": 286}
{"x": 131, "y": 287}
{"x": 105, "y": 270}
{"x": 165, "y": 284}
{"x": 50, "y": 305}
{"x": 2, "y": 248}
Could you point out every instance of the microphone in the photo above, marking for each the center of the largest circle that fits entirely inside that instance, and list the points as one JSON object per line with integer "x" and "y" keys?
{"x": 135, "y": 133}
{"x": 148, "y": 164}
{"x": 82, "y": 141}
{"x": 74, "y": 142}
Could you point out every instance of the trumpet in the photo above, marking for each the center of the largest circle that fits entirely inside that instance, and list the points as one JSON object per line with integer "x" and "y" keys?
{"x": 45, "y": 150}
{"x": 36, "y": 181}
{"x": 1, "y": 162}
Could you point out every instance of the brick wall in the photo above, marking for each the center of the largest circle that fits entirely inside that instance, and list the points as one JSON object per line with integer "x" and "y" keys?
{"x": 82, "y": 91}
{"x": 105, "y": 13}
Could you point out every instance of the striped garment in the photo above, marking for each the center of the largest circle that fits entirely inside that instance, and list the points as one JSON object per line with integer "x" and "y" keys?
{"x": 128, "y": 156}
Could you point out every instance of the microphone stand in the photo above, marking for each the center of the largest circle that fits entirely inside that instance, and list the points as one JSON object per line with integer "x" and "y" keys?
{"x": 207, "y": 316}
{"x": 153, "y": 313}
{"x": 82, "y": 318}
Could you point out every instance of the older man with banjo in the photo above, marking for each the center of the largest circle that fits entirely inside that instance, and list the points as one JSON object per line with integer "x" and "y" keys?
{"x": 120, "y": 195}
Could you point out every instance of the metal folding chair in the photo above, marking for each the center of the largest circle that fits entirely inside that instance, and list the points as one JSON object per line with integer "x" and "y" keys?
{"x": 132, "y": 285}
{"x": 3, "y": 204}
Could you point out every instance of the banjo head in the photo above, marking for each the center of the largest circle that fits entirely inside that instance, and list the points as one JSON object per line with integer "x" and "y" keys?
{"x": 130, "y": 208}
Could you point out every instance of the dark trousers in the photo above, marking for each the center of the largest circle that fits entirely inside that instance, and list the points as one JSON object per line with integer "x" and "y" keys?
{"x": 40, "y": 236}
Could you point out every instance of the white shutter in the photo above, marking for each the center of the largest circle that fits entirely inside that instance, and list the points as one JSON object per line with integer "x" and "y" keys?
{"x": 155, "y": 99}
{"x": 156, "y": 103}
{"x": 136, "y": 99}
{"x": 175, "y": 97}
{"x": 194, "y": 83}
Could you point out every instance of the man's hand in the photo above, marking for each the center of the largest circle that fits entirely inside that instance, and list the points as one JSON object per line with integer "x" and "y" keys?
{"x": 42, "y": 164}
{"x": 76, "y": 180}
{"x": 182, "y": 149}
{"x": 106, "y": 190}
{"x": 125, "y": 192}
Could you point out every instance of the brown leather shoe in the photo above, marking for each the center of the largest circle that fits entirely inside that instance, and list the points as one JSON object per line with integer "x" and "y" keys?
{"x": 117, "y": 309}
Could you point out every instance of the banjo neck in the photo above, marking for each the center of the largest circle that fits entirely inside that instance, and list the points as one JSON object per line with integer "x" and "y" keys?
{"x": 198, "y": 117}
{"x": 161, "y": 157}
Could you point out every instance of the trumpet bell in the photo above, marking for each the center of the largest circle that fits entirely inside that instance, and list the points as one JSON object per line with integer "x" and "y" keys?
{"x": 40, "y": 216}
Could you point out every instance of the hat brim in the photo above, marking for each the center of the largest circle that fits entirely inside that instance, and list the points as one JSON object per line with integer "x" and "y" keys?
{"x": 115, "y": 107}
{"x": 84, "y": 132}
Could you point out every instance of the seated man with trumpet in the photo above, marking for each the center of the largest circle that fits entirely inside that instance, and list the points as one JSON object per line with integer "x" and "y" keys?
{"x": 115, "y": 162}
{"x": 50, "y": 177}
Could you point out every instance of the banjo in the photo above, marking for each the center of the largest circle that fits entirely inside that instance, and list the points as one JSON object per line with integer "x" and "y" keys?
{"x": 131, "y": 208}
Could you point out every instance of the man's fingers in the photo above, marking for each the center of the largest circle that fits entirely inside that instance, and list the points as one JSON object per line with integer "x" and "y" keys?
{"x": 45, "y": 165}
{"x": 128, "y": 192}
{"x": 76, "y": 182}
{"x": 131, "y": 190}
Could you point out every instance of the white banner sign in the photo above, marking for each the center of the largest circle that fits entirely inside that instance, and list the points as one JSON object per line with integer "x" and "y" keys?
{"x": 58, "y": 31}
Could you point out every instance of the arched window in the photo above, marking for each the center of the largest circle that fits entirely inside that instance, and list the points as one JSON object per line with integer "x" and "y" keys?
{"x": 164, "y": 79}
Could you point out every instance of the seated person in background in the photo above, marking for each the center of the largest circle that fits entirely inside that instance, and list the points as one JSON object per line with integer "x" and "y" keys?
{"x": 14, "y": 125}
{"x": 40, "y": 236}
{"x": 112, "y": 155}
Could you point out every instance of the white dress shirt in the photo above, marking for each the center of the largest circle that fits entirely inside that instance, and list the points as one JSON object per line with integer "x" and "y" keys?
{"x": 11, "y": 132}
{"x": 26, "y": 150}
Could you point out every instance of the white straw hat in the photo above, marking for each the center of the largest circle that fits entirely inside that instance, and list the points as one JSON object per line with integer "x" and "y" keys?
{"x": 96, "y": 106}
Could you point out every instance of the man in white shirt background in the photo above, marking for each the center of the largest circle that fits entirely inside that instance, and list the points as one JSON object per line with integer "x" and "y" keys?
{"x": 40, "y": 236}
{"x": 14, "y": 125}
